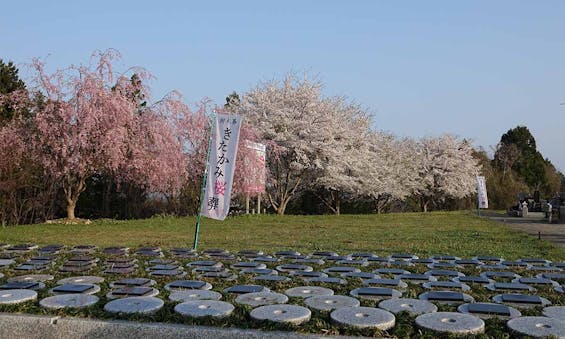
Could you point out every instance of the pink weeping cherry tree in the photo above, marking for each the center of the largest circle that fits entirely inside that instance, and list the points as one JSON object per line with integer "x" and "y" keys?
{"x": 92, "y": 123}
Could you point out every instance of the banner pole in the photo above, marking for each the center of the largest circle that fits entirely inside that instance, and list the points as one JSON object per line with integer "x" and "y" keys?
{"x": 204, "y": 181}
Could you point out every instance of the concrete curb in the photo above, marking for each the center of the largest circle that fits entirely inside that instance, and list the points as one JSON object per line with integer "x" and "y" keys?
{"x": 16, "y": 326}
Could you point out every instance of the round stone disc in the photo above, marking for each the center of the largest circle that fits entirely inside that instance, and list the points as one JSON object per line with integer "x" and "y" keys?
{"x": 31, "y": 277}
{"x": 205, "y": 308}
{"x": 85, "y": 279}
{"x": 282, "y": 313}
{"x": 330, "y": 302}
{"x": 6, "y": 262}
{"x": 134, "y": 305}
{"x": 16, "y": 296}
{"x": 451, "y": 322}
{"x": 364, "y": 317}
{"x": 69, "y": 301}
{"x": 412, "y": 306}
{"x": 538, "y": 327}
{"x": 261, "y": 299}
{"x": 308, "y": 291}
{"x": 555, "y": 312}
{"x": 193, "y": 295}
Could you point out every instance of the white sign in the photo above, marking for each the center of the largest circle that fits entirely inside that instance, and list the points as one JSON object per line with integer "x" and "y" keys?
{"x": 482, "y": 192}
{"x": 254, "y": 164}
{"x": 221, "y": 166}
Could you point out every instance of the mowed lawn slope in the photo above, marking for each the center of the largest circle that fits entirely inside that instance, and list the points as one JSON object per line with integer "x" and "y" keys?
{"x": 424, "y": 234}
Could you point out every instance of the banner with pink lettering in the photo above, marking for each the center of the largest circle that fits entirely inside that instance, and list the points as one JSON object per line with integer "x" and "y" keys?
{"x": 221, "y": 166}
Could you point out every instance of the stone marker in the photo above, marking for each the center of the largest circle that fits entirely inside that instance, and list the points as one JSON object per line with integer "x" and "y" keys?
{"x": 444, "y": 265}
{"x": 23, "y": 285}
{"x": 294, "y": 267}
{"x": 192, "y": 295}
{"x": 473, "y": 280}
{"x": 69, "y": 301}
{"x": 330, "y": 302}
{"x": 496, "y": 275}
{"x": 139, "y": 282}
{"x": 536, "y": 281}
{"x": 205, "y": 308}
{"x": 270, "y": 277}
{"x": 133, "y": 292}
{"x": 326, "y": 280}
{"x": 168, "y": 273}
{"x": 444, "y": 273}
{"x": 308, "y": 275}
{"x": 205, "y": 263}
{"x": 446, "y": 285}
{"x": 324, "y": 254}
{"x": 86, "y": 279}
{"x": 247, "y": 265}
{"x": 521, "y": 300}
{"x": 282, "y": 313}
{"x": 499, "y": 286}
{"x": 489, "y": 310}
{"x": 261, "y": 299}
{"x": 308, "y": 291}
{"x": 313, "y": 261}
{"x": 446, "y": 297}
{"x": 556, "y": 312}
{"x": 259, "y": 271}
{"x": 340, "y": 269}
{"x": 242, "y": 289}
{"x": 451, "y": 322}
{"x": 75, "y": 289}
{"x": 360, "y": 275}
{"x": 31, "y": 277}
{"x": 364, "y": 317}
{"x": 412, "y": 306}
{"x": 375, "y": 293}
{"x": 180, "y": 285}
{"x": 386, "y": 282}
{"x": 17, "y": 296}
{"x": 414, "y": 278}
{"x": 144, "y": 305}
{"x": 422, "y": 261}
{"x": 537, "y": 327}
{"x": 391, "y": 271}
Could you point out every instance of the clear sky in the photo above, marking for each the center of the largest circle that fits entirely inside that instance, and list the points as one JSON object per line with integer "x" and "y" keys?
{"x": 471, "y": 68}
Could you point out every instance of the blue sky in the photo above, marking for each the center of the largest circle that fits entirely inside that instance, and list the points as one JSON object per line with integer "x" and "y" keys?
{"x": 471, "y": 68}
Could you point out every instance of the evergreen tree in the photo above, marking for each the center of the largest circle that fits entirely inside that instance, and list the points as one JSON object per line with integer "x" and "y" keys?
{"x": 9, "y": 82}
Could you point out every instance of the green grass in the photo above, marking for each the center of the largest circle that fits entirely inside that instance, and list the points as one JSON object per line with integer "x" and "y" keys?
{"x": 458, "y": 233}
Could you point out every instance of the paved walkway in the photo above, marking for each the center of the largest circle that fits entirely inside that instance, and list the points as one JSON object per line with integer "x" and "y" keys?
{"x": 535, "y": 227}
{"x": 17, "y": 326}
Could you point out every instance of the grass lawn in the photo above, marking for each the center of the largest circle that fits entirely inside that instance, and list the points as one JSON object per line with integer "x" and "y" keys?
{"x": 457, "y": 233}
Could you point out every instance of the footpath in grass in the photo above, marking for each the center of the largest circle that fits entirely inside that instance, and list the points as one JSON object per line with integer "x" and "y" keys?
{"x": 424, "y": 234}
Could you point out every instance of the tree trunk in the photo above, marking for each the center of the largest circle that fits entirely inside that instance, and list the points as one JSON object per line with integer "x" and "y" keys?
{"x": 71, "y": 209}
{"x": 337, "y": 205}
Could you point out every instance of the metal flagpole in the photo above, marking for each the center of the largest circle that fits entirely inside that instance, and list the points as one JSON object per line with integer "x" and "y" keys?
{"x": 204, "y": 180}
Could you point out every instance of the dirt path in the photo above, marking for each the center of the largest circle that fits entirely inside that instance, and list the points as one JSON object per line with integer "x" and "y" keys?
{"x": 551, "y": 232}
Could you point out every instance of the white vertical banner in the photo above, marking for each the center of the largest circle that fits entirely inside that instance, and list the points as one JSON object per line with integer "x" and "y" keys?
{"x": 482, "y": 192}
{"x": 221, "y": 166}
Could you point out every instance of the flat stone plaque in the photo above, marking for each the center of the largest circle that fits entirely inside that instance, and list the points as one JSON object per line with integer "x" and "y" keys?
{"x": 509, "y": 286}
{"x": 473, "y": 280}
{"x": 312, "y": 274}
{"x": 17, "y": 296}
{"x": 133, "y": 282}
{"x": 240, "y": 289}
{"x": 270, "y": 277}
{"x": 360, "y": 275}
{"x": 521, "y": 299}
{"x": 536, "y": 281}
{"x": 188, "y": 284}
{"x": 451, "y": 322}
{"x": 444, "y": 273}
{"x": 374, "y": 291}
{"x": 412, "y": 306}
{"x": 341, "y": 269}
{"x": 133, "y": 291}
{"x": 205, "y": 263}
{"x": 20, "y": 285}
{"x": 261, "y": 299}
{"x": 423, "y": 261}
{"x": 259, "y": 271}
{"x": 282, "y": 313}
{"x": 538, "y": 327}
{"x": 485, "y": 308}
{"x": 69, "y": 301}
{"x": 163, "y": 268}
{"x": 72, "y": 288}
{"x": 392, "y": 271}
{"x": 193, "y": 295}
{"x": 446, "y": 296}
